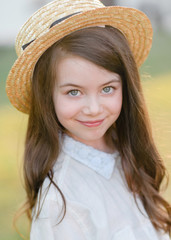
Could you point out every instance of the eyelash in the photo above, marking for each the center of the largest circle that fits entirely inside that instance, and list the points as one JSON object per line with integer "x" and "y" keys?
{"x": 78, "y": 91}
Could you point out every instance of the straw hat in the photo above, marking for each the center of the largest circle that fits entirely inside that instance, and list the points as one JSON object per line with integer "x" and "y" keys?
{"x": 60, "y": 18}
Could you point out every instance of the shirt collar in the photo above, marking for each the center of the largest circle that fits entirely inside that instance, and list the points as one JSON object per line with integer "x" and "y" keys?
{"x": 101, "y": 162}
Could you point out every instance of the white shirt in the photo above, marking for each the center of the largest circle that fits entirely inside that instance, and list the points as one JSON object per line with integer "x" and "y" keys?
{"x": 99, "y": 205}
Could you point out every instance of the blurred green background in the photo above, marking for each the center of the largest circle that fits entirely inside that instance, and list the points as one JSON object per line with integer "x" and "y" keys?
{"x": 156, "y": 80}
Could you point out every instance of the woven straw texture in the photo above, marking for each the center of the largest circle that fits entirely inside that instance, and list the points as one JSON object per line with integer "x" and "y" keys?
{"x": 132, "y": 23}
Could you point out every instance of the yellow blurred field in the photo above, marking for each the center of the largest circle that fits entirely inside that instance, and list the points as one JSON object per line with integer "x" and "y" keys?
{"x": 12, "y": 131}
{"x": 158, "y": 97}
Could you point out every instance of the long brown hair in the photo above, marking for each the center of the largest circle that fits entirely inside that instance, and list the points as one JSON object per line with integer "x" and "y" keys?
{"x": 141, "y": 162}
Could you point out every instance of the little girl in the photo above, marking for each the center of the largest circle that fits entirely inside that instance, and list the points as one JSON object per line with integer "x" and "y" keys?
{"x": 91, "y": 168}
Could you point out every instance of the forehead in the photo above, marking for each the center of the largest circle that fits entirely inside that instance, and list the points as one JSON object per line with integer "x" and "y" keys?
{"x": 80, "y": 70}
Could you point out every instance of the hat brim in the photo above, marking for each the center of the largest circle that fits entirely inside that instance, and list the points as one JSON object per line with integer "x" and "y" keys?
{"x": 132, "y": 23}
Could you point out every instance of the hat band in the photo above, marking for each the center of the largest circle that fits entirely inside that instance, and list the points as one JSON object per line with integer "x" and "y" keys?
{"x": 53, "y": 24}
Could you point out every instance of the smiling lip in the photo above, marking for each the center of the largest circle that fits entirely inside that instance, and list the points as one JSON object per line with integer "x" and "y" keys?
{"x": 92, "y": 123}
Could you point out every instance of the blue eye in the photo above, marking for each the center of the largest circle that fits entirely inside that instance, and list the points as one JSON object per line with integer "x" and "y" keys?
{"x": 107, "y": 90}
{"x": 74, "y": 93}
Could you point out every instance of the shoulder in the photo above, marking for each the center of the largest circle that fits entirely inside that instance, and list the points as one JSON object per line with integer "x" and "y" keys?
{"x": 72, "y": 178}
{"x": 67, "y": 176}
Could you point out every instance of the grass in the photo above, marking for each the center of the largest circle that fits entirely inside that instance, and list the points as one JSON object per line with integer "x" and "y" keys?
{"x": 159, "y": 59}
{"x": 7, "y": 58}
{"x": 158, "y": 99}
{"x": 12, "y": 128}
{"x": 13, "y": 124}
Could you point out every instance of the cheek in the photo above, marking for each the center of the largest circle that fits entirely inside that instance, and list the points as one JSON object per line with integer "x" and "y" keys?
{"x": 65, "y": 109}
{"x": 116, "y": 104}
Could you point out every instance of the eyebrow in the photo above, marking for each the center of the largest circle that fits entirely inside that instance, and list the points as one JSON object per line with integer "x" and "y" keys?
{"x": 78, "y": 86}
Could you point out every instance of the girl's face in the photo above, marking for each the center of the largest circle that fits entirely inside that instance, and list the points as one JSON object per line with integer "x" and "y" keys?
{"x": 87, "y": 99}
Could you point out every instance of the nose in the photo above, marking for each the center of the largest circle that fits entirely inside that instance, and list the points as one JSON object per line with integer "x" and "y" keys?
{"x": 92, "y": 106}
